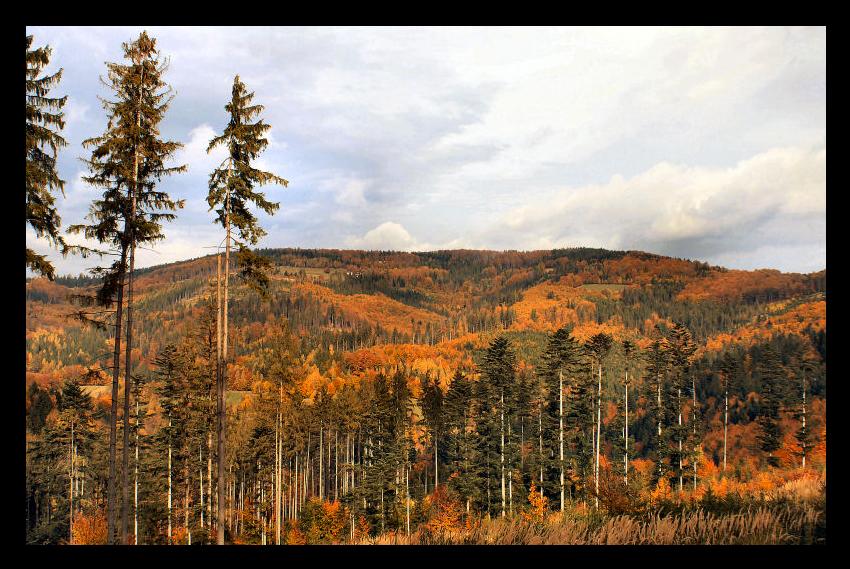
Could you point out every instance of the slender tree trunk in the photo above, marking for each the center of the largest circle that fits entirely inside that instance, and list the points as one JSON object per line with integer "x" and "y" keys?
{"x": 679, "y": 405}
{"x": 125, "y": 451}
{"x": 561, "y": 431}
{"x": 725, "y": 422}
{"x": 540, "y": 443}
{"x": 502, "y": 453}
{"x": 805, "y": 442}
{"x": 111, "y": 492}
{"x": 169, "y": 482}
{"x": 136, "y": 481}
{"x": 626, "y": 436}
{"x": 222, "y": 378}
{"x": 598, "y": 432}
{"x": 129, "y": 230}
{"x": 694, "y": 420}
{"x": 71, "y": 488}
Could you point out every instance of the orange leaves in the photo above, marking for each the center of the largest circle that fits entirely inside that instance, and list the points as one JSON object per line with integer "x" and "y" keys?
{"x": 444, "y": 512}
{"x": 373, "y": 308}
{"x": 537, "y": 502}
{"x": 794, "y": 321}
{"x": 733, "y": 285}
{"x": 89, "y": 529}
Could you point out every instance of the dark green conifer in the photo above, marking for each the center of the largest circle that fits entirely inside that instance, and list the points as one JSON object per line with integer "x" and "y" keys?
{"x": 44, "y": 121}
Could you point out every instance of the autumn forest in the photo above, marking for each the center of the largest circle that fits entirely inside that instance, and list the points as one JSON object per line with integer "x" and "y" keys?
{"x": 276, "y": 396}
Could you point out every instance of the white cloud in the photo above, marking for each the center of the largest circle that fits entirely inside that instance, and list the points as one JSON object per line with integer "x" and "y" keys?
{"x": 473, "y": 125}
{"x": 387, "y": 236}
{"x": 673, "y": 209}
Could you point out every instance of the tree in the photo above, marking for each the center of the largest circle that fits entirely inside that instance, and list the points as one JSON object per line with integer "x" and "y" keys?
{"x": 727, "y": 373}
{"x": 498, "y": 372}
{"x": 681, "y": 349}
{"x": 561, "y": 357}
{"x": 231, "y": 189}
{"x": 598, "y": 347}
{"x": 770, "y": 395}
{"x": 432, "y": 409}
{"x": 75, "y": 409}
{"x": 658, "y": 360}
{"x": 127, "y": 161}
{"x": 44, "y": 119}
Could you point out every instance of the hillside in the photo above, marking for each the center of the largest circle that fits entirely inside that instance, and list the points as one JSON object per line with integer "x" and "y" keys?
{"x": 341, "y": 334}
{"x": 354, "y": 299}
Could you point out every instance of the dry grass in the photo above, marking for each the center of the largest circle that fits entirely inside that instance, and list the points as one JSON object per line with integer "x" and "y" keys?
{"x": 791, "y": 523}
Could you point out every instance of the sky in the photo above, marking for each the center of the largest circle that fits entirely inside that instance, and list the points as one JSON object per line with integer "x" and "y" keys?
{"x": 700, "y": 143}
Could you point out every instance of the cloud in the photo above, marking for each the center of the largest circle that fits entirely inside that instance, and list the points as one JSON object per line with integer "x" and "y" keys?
{"x": 459, "y": 134}
{"x": 777, "y": 198}
{"x": 387, "y": 236}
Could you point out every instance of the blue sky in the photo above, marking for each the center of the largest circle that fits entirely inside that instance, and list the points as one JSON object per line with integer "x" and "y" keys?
{"x": 705, "y": 143}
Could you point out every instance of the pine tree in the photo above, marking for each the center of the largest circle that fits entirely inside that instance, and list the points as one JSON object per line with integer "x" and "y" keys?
{"x": 127, "y": 161}
{"x": 231, "y": 189}
{"x": 498, "y": 374}
{"x": 464, "y": 478}
{"x": 598, "y": 347}
{"x": 681, "y": 348}
{"x": 44, "y": 119}
{"x": 727, "y": 374}
{"x": 658, "y": 361}
{"x": 770, "y": 396}
{"x": 561, "y": 360}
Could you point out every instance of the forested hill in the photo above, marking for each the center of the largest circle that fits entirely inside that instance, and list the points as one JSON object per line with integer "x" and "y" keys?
{"x": 350, "y": 300}
{"x": 384, "y": 374}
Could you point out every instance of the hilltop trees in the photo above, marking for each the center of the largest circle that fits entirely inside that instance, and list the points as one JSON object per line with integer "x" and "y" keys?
{"x": 43, "y": 121}
{"x": 127, "y": 161}
{"x": 231, "y": 190}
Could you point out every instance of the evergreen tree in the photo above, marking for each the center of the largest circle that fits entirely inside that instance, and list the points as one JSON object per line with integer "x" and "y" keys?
{"x": 44, "y": 120}
{"x": 463, "y": 479}
{"x": 231, "y": 189}
{"x": 498, "y": 375}
{"x": 127, "y": 161}
{"x": 597, "y": 348}
{"x": 561, "y": 360}
{"x": 770, "y": 397}
{"x": 680, "y": 349}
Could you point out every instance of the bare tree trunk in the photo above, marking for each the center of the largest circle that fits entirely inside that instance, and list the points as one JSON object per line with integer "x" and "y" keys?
{"x": 540, "y": 443}
{"x": 804, "y": 449}
{"x": 222, "y": 374}
{"x": 169, "y": 482}
{"x": 502, "y": 453}
{"x": 598, "y": 432}
{"x": 626, "y": 446}
{"x": 136, "y": 481}
{"x": 71, "y": 488}
{"x": 694, "y": 420}
{"x": 125, "y": 451}
{"x": 679, "y": 405}
{"x": 561, "y": 431}
{"x": 725, "y": 420}
{"x": 111, "y": 492}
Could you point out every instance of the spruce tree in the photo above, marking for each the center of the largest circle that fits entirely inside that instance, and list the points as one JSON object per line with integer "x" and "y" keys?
{"x": 681, "y": 349}
{"x": 770, "y": 397}
{"x": 128, "y": 160}
{"x": 597, "y": 348}
{"x": 231, "y": 190}
{"x": 44, "y": 120}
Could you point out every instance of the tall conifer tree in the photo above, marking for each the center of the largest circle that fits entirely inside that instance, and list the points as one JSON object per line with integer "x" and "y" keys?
{"x": 231, "y": 190}
{"x": 127, "y": 161}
